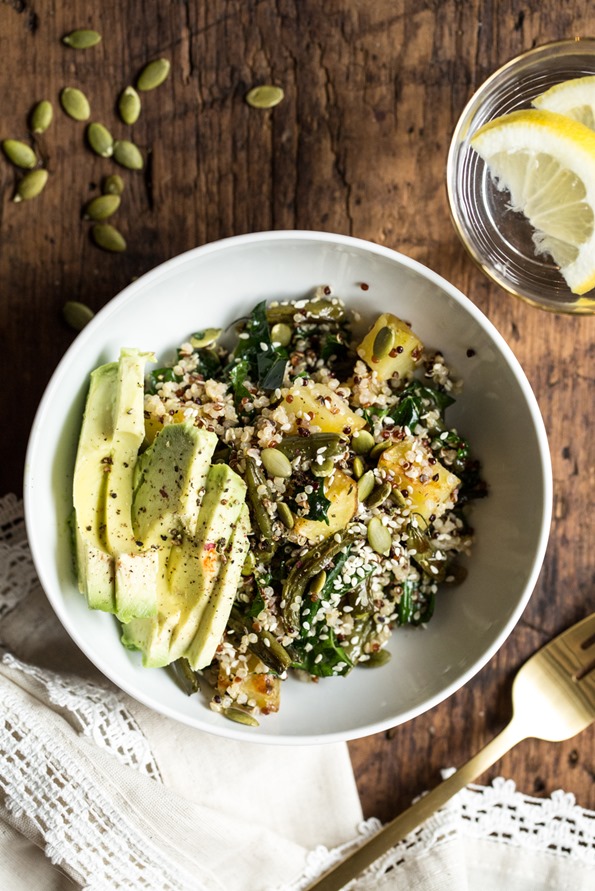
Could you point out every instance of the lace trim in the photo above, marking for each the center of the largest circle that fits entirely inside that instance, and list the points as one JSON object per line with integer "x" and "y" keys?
{"x": 556, "y": 826}
{"x": 81, "y": 828}
{"x": 17, "y": 573}
{"x": 95, "y": 712}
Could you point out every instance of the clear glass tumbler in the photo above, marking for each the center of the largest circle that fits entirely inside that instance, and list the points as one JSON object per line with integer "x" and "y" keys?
{"x": 498, "y": 239}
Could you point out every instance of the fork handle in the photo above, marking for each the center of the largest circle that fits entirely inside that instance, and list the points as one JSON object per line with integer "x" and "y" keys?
{"x": 397, "y": 829}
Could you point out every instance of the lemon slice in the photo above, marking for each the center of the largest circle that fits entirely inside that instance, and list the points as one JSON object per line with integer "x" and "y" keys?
{"x": 574, "y": 98}
{"x": 546, "y": 161}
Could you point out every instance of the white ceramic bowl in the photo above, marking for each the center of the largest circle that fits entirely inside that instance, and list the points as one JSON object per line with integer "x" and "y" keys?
{"x": 211, "y": 286}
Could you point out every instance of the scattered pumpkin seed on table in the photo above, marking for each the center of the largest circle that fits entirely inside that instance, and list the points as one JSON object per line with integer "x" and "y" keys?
{"x": 108, "y": 237}
{"x": 76, "y": 314}
{"x": 101, "y": 207}
{"x": 41, "y": 116}
{"x": 82, "y": 38}
{"x": 19, "y": 153}
{"x": 75, "y": 104}
{"x": 31, "y": 185}
{"x": 128, "y": 155}
{"x": 265, "y": 96}
{"x": 100, "y": 140}
{"x": 153, "y": 75}
{"x": 112, "y": 185}
{"x": 129, "y": 105}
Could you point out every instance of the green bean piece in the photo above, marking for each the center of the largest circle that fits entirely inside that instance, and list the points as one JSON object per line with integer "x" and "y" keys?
{"x": 254, "y": 479}
{"x": 272, "y": 654}
{"x": 377, "y": 659}
{"x": 184, "y": 676}
{"x": 405, "y": 609}
{"x": 317, "y": 310}
{"x": 304, "y": 569}
{"x": 429, "y": 560}
{"x": 308, "y": 446}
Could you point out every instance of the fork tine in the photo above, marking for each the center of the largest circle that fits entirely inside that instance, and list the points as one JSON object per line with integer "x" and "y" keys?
{"x": 577, "y": 645}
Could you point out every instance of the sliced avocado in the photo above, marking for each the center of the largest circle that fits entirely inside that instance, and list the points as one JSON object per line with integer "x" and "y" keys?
{"x": 214, "y": 617}
{"x": 153, "y": 635}
{"x": 193, "y": 568}
{"x": 95, "y": 566}
{"x": 174, "y": 472}
{"x": 135, "y": 569}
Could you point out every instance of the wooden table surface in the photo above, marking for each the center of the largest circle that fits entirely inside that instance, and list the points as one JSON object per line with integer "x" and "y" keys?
{"x": 358, "y": 146}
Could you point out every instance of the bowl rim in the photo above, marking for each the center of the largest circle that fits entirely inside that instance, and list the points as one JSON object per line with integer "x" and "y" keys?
{"x": 359, "y": 731}
{"x": 582, "y": 305}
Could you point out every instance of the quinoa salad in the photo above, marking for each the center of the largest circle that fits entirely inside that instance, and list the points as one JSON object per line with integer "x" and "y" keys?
{"x": 355, "y": 483}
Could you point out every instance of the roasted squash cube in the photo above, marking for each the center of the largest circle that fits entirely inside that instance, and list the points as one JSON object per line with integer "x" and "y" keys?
{"x": 318, "y": 405}
{"x": 341, "y": 491}
{"x": 401, "y": 348}
{"x": 425, "y": 484}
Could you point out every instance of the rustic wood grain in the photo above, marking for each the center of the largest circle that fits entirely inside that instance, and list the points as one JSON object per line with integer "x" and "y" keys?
{"x": 373, "y": 91}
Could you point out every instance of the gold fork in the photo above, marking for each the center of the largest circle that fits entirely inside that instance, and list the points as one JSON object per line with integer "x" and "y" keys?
{"x": 553, "y": 699}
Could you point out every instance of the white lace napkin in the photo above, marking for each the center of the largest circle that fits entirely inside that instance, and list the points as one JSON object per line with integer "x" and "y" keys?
{"x": 98, "y": 792}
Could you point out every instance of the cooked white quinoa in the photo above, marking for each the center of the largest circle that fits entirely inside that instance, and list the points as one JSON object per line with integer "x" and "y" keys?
{"x": 347, "y": 617}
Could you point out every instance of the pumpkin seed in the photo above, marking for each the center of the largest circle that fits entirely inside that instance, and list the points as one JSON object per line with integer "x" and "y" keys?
{"x": 365, "y": 485}
{"x": 41, "y": 116}
{"x": 82, "y": 38}
{"x": 317, "y": 583}
{"x": 75, "y": 104}
{"x": 379, "y": 538}
{"x": 362, "y": 442}
{"x": 19, "y": 153}
{"x": 379, "y": 495}
{"x": 31, "y": 185}
{"x": 285, "y": 515}
{"x": 249, "y": 564}
{"x": 376, "y": 660}
{"x": 101, "y": 207}
{"x": 153, "y": 75}
{"x": 128, "y": 154}
{"x": 281, "y": 334}
{"x": 383, "y": 342}
{"x": 129, "y": 105}
{"x": 276, "y": 463}
{"x": 100, "y": 140}
{"x": 76, "y": 314}
{"x": 398, "y": 498}
{"x": 265, "y": 96}
{"x": 107, "y": 237}
{"x": 379, "y": 448}
{"x": 240, "y": 716}
{"x": 359, "y": 468}
{"x": 205, "y": 338}
{"x": 323, "y": 470}
{"x": 113, "y": 185}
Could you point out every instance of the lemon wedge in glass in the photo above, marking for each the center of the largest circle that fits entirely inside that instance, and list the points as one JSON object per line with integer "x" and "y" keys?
{"x": 546, "y": 161}
{"x": 574, "y": 98}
